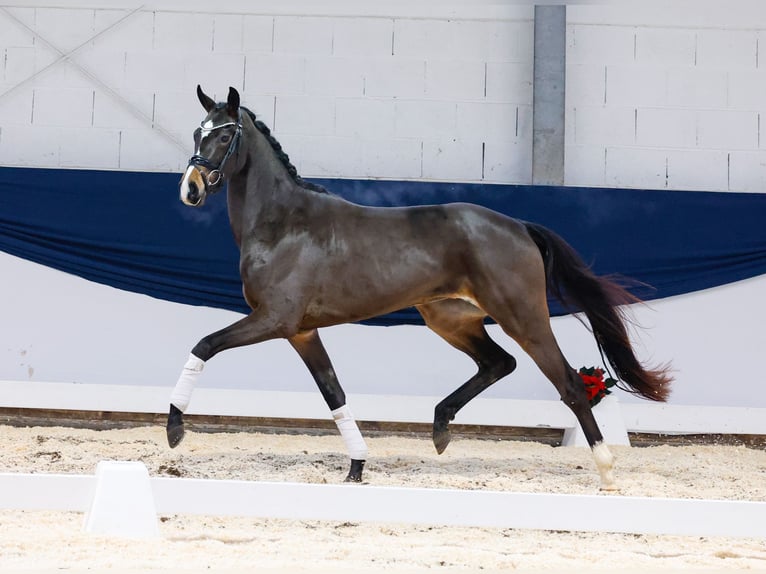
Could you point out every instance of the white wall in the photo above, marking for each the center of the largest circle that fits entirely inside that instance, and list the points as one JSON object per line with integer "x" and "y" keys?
{"x": 391, "y": 95}
{"x": 60, "y": 328}
{"x": 659, "y": 95}
{"x": 667, "y": 95}
{"x": 663, "y": 99}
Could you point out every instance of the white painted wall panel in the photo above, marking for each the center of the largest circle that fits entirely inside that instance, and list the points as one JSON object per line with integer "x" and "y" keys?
{"x": 696, "y": 84}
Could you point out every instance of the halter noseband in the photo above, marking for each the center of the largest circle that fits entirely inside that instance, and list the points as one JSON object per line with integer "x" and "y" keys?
{"x": 217, "y": 170}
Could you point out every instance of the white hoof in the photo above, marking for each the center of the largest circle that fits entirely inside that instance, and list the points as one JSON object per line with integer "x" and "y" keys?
{"x": 605, "y": 464}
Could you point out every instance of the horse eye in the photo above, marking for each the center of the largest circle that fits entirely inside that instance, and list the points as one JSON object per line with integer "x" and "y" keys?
{"x": 225, "y": 138}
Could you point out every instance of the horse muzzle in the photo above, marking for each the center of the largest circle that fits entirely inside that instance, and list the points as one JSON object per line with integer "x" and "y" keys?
{"x": 193, "y": 188}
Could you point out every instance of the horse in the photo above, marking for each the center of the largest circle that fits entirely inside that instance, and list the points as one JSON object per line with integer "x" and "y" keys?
{"x": 310, "y": 259}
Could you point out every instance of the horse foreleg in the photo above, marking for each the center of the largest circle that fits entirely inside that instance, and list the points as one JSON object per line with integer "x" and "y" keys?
{"x": 180, "y": 398}
{"x": 309, "y": 346}
{"x": 247, "y": 331}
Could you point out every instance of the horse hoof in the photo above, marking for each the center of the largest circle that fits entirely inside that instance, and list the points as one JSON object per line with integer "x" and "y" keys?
{"x": 175, "y": 435}
{"x": 175, "y": 428}
{"x": 442, "y": 437}
{"x": 355, "y": 473}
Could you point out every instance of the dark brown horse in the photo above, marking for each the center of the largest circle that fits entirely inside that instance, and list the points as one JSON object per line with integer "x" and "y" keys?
{"x": 310, "y": 259}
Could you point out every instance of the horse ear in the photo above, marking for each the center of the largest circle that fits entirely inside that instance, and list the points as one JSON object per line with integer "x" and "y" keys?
{"x": 206, "y": 101}
{"x": 232, "y": 103}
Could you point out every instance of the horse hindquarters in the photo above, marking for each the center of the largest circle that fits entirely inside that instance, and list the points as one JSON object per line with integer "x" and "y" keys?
{"x": 516, "y": 297}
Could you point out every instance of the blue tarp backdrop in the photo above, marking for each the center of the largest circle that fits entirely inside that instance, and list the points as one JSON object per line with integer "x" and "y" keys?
{"x": 129, "y": 230}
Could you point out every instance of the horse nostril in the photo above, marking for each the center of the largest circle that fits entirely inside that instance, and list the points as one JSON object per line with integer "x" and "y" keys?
{"x": 193, "y": 195}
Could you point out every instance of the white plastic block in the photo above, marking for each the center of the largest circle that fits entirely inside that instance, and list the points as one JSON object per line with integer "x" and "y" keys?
{"x": 747, "y": 171}
{"x": 359, "y": 37}
{"x": 337, "y": 77}
{"x": 303, "y": 35}
{"x": 89, "y": 148}
{"x": 138, "y": 30}
{"x": 450, "y": 160}
{"x": 63, "y": 107}
{"x": 728, "y": 129}
{"x": 304, "y": 115}
{"x": 489, "y": 120}
{"x": 391, "y": 158}
{"x": 111, "y": 112}
{"x": 29, "y": 146}
{"x": 508, "y": 161}
{"x": 442, "y": 39}
{"x": 220, "y": 72}
{"x": 227, "y": 33}
{"x": 455, "y": 79}
{"x": 123, "y": 502}
{"x": 395, "y": 77}
{"x": 180, "y": 112}
{"x": 425, "y": 118}
{"x": 585, "y": 85}
{"x": 16, "y": 107}
{"x": 19, "y": 64}
{"x": 183, "y": 32}
{"x": 258, "y": 34}
{"x": 148, "y": 150}
{"x": 154, "y": 71}
{"x": 666, "y": 127}
{"x": 747, "y": 88}
{"x": 511, "y": 41}
{"x": 603, "y": 125}
{"x": 64, "y": 28}
{"x": 509, "y": 82}
{"x": 635, "y": 85}
{"x": 366, "y": 117}
{"x": 262, "y": 106}
{"x": 699, "y": 169}
{"x": 323, "y": 156}
{"x": 727, "y": 48}
{"x": 14, "y": 35}
{"x": 633, "y": 167}
{"x": 697, "y": 87}
{"x": 588, "y": 44}
{"x": 106, "y": 64}
{"x": 360, "y": 156}
{"x": 610, "y": 422}
{"x": 275, "y": 74}
{"x": 665, "y": 46}
{"x": 584, "y": 165}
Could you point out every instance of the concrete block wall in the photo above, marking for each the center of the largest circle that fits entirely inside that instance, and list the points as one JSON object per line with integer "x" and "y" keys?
{"x": 667, "y": 96}
{"x": 388, "y": 95}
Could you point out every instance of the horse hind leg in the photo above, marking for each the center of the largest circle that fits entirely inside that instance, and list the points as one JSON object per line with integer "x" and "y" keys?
{"x": 461, "y": 324}
{"x": 309, "y": 346}
{"x": 538, "y": 341}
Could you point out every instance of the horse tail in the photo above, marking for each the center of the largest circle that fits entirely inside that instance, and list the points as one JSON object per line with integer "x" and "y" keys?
{"x": 573, "y": 284}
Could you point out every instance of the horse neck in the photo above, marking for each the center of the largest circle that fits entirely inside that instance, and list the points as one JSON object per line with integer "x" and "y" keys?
{"x": 260, "y": 188}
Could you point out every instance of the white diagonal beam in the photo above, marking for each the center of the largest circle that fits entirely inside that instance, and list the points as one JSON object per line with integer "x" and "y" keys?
{"x": 68, "y": 57}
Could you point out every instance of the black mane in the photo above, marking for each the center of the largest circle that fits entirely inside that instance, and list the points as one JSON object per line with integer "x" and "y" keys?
{"x": 281, "y": 155}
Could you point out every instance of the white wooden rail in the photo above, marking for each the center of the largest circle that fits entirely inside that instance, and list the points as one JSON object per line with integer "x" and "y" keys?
{"x": 95, "y": 496}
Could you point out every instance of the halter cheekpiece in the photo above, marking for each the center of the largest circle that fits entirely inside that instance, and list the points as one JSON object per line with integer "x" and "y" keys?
{"x": 217, "y": 170}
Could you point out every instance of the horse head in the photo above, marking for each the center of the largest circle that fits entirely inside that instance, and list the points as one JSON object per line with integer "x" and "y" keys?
{"x": 215, "y": 142}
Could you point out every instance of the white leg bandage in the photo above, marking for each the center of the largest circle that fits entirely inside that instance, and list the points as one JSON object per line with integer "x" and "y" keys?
{"x": 357, "y": 448}
{"x": 185, "y": 385}
{"x": 604, "y": 463}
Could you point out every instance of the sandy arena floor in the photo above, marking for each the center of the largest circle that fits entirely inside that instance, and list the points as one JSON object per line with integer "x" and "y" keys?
{"x": 54, "y": 541}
